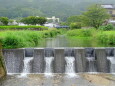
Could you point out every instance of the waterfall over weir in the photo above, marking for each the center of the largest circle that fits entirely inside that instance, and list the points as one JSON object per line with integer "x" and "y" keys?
{"x": 49, "y": 58}
{"x": 27, "y": 67}
{"x": 111, "y": 58}
{"x": 59, "y": 60}
{"x": 70, "y": 66}
{"x": 48, "y": 67}
{"x": 70, "y": 62}
{"x": 91, "y": 64}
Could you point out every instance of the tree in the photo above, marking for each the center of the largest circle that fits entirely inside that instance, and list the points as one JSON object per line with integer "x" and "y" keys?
{"x": 76, "y": 25}
{"x": 42, "y": 20}
{"x": 95, "y": 16}
{"x": 34, "y": 20}
{"x": 4, "y": 20}
{"x": 73, "y": 19}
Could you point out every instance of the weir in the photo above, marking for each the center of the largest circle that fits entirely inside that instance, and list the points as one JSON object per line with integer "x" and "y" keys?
{"x": 91, "y": 61}
{"x": 70, "y": 62}
{"x": 111, "y": 58}
{"x": 59, "y": 60}
{"x": 49, "y": 58}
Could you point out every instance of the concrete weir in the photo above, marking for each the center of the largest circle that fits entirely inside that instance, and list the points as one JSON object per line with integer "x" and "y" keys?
{"x": 59, "y": 61}
{"x": 80, "y": 59}
{"x": 38, "y": 62}
{"x": 85, "y": 60}
{"x": 14, "y": 60}
{"x": 102, "y": 62}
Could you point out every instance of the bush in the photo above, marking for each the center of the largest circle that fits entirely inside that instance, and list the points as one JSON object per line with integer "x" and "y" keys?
{"x": 23, "y": 28}
{"x": 12, "y": 41}
{"x": 25, "y": 38}
{"x": 107, "y": 37}
{"x": 107, "y": 27}
{"x": 81, "y": 32}
{"x": 76, "y": 25}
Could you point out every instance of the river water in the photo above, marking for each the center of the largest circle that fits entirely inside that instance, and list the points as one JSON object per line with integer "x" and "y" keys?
{"x": 59, "y": 80}
{"x": 64, "y": 41}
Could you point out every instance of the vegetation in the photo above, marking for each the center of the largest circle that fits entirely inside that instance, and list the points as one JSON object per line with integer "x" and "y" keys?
{"x": 59, "y": 8}
{"x": 107, "y": 27}
{"x": 2, "y": 67}
{"x": 4, "y": 20}
{"x": 106, "y": 37}
{"x": 23, "y": 28}
{"x": 100, "y": 36}
{"x": 76, "y": 25}
{"x": 81, "y": 32}
{"x": 25, "y": 38}
{"x": 33, "y": 20}
{"x": 95, "y": 16}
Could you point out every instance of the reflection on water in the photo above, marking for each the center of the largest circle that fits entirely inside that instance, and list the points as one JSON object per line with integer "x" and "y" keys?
{"x": 64, "y": 41}
{"x": 59, "y": 80}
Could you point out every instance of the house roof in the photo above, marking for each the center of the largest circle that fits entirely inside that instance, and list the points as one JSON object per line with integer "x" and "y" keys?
{"x": 108, "y": 6}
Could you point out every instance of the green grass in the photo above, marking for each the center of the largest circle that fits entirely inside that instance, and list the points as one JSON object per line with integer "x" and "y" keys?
{"x": 102, "y": 37}
{"x": 25, "y": 38}
{"x": 81, "y": 32}
{"x": 23, "y": 27}
{"x": 106, "y": 37}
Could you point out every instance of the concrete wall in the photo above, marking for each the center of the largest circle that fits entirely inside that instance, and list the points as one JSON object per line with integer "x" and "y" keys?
{"x": 80, "y": 60}
{"x": 59, "y": 61}
{"x": 14, "y": 60}
{"x": 38, "y": 62}
{"x": 102, "y": 62}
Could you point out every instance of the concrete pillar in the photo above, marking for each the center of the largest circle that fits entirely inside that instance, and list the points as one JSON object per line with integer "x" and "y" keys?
{"x": 38, "y": 62}
{"x": 59, "y": 61}
{"x": 14, "y": 60}
{"x": 102, "y": 62}
{"x": 80, "y": 58}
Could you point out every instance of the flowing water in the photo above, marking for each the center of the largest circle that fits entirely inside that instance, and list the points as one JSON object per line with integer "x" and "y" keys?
{"x": 65, "y": 41}
{"x": 48, "y": 66}
{"x": 70, "y": 66}
{"x": 26, "y": 68}
{"x": 112, "y": 64}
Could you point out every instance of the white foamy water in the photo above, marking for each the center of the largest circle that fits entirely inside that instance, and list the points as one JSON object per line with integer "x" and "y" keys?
{"x": 26, "y": 69}
{"x": 70, "y": 66}
{"x": 48, "y": 66}
{"x": 112, "y": 66}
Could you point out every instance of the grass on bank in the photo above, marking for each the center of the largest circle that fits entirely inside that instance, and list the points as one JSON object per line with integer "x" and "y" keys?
{"x": 23, "y": 28}
{"x": 25, "y": 38}
{"x": 100, "y": 36}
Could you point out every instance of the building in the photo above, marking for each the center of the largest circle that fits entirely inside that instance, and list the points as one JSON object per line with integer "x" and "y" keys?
{"x": 110, "y": 8}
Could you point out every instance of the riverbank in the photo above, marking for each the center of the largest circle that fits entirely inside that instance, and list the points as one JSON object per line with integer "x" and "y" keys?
{"x": 98, "y": 38}
{"x": 2, "y": 68}
{"x": 26, "y": 38}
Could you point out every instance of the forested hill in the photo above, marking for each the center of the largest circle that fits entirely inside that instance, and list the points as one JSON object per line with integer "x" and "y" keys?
{"x": 58, "y": 8}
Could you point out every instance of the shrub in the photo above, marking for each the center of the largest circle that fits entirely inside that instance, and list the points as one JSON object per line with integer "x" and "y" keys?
{"x": 81, "y": 32}
{"x": 23, "y": 28}
{"x": 107, "y": 37}
{"x": 12, "y": 41}
{"x": 76, "y": 25}
{"x": 107, "y": 27}
{"x": 25, "y": 38}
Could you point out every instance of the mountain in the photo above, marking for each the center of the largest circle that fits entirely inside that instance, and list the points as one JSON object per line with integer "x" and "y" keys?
{"x": 58, "y": 8}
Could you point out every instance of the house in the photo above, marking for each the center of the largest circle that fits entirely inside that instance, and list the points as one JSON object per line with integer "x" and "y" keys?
{"x": 111, "y": 9}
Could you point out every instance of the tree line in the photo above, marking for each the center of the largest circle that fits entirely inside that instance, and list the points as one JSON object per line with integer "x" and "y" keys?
{"x": 30, "y": 20}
